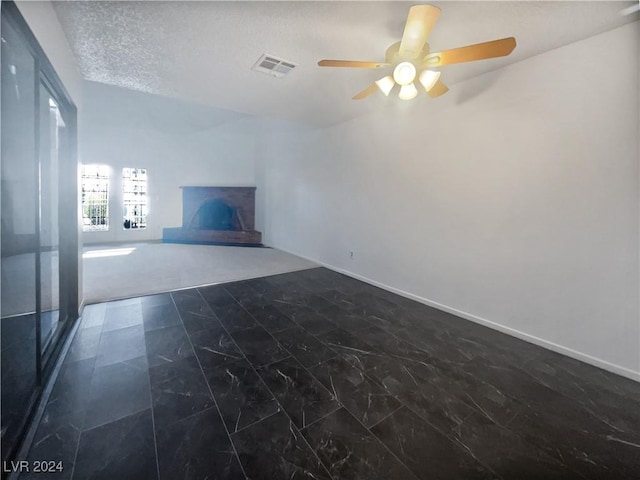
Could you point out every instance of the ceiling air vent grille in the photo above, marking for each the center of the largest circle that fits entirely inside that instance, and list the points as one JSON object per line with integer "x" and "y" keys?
{"x": 273, "y": 66}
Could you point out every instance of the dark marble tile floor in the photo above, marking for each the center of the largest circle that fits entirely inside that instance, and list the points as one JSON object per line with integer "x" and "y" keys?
{"x": 314, "y": 375}
{"x": 18, "y": 370}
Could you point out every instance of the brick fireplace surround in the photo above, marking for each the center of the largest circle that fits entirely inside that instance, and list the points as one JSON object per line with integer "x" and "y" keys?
{"x": 198, "y": 203}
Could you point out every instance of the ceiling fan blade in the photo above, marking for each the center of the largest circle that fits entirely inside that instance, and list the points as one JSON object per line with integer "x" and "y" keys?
{"x": 420, "y": 22}
{"x": 366, "y": 92}
{"x": 351, "y": 63}
{"x": 438, "y": 89}
{"x": 479, "y": 51}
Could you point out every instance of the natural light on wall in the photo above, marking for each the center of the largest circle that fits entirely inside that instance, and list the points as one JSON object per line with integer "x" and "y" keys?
{"x": 112, "y": 252}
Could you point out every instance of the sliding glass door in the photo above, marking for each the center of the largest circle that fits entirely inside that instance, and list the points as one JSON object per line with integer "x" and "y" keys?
{"x": 19, "y": 237}
{"x": 38, "y": 244}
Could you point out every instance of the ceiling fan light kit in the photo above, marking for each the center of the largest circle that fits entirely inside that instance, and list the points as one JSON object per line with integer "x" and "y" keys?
{"x": 428, "y": 79}
{"x": 386, "y": 84}
{"x": 407, "y": 92}
{"x": 412, "y": 54}
{"x": 404, "y": 73}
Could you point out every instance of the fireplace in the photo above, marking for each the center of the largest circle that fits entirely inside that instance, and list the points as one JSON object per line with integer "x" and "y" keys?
{"x": 216, "y": 216}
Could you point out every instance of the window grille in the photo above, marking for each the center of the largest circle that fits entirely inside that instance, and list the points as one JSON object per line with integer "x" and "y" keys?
{"x": 134, "y": 195}
{"x": 95, "y": 198}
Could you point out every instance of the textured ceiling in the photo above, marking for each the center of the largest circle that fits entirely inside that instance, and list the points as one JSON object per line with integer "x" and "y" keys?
{"x": 203, "y": 51}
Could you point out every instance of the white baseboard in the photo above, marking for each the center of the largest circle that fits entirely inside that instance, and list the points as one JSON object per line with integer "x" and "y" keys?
{"x": 569, "y": 352}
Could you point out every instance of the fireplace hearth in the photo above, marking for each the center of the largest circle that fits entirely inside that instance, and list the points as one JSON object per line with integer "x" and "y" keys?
{"x": 216, "y": 216}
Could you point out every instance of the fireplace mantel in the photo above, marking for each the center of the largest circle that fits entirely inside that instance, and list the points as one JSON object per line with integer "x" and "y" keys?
{"x": 216, "y": 215}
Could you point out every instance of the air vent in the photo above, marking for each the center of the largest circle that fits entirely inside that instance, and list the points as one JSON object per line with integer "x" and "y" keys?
{"x": 273, "y": 66}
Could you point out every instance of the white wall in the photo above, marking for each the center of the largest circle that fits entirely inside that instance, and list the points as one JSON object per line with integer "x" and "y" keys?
{"x": 179, "y": 143}
{"x": 513, "y": 200}
{"x": 44, "y": 24}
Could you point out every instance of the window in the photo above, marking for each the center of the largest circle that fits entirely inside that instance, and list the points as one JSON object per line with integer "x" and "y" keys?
{"x": 134, "y": 196}
{"x": 95, "y": 198}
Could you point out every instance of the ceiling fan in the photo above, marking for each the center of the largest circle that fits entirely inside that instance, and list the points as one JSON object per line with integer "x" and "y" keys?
{"x": 411, "y": 57}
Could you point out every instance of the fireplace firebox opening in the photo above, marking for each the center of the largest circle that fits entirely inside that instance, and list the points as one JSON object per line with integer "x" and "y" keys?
{"x": 217, "y": 216}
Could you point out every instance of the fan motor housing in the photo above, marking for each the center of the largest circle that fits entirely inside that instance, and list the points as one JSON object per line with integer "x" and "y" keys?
{"x": 393, "y": 57}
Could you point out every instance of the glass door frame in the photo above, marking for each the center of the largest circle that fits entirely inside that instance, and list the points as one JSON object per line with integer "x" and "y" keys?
{"x": 68, "y": 211}
{"x": 66, "y": 317}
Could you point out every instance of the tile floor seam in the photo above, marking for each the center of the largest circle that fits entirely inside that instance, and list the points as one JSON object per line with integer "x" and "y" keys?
{"x": 331, "y": 393}
{"x": 150, "y": 394}
{"x": 153, "y": 419}
{"x": 387, "y": 416}
{"x": 264, "y": 365}
{"x": 93, "y": 369}
{"x": 444, "y": 434}
{"x": 453, "y": 441}
{"x": 357, "y": 419}
{"x": 115, "y": 419}
{"x": 188, "y": 417}
{"x": 290, "y": 355}
{"x": 316, "y": 335}
{"x": 335, "y": 354}
{"x": 206, "y": 381}
{"x": 144, "y": 355}
{"x": 272, "y": 394}
{"x": 382, "y": 443}
{"x": 324, "y": 361}
{"x": 75, "y": 457}
{"x": 512, "y": 432}
{"x": 213, "y": 314}
{"x": 459, "y": 444}
{"x": 338, "y": 327}
{"x": 340, "y": 405}
{"x": 257, "y": 421}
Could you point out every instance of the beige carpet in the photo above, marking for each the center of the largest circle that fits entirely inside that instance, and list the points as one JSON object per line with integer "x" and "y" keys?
{"x": 112, "y": 272}
{"x": 121, "y": 271}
